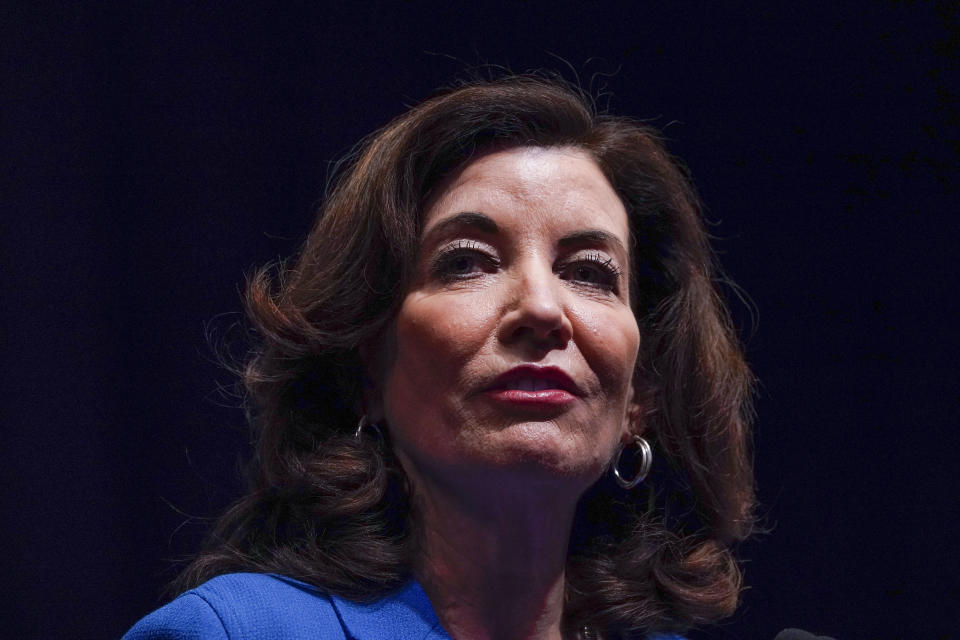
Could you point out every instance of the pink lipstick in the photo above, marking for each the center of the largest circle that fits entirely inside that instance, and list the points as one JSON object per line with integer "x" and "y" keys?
{"x": 533, "y": 387}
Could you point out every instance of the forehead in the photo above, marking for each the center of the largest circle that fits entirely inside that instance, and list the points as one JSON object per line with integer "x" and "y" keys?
{"x": 546, "y": 188}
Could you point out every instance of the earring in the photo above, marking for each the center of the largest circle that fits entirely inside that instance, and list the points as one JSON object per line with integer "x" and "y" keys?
{"x": 645, "y": 463}
{"x": 358, "y": 434}
{"x": 374, "y": 428}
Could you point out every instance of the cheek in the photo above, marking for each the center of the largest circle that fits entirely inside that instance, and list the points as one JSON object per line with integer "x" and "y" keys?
{"x": 610, "y": 343}
{"x": 438, "y": 328}
{"x": 435, "y": 339}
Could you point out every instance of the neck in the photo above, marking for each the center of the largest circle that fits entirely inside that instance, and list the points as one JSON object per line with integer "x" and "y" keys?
{"x": 492, "y": 557}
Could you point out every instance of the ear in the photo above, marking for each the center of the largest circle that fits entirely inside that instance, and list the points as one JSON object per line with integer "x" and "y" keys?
{"x": 634, "y": 423}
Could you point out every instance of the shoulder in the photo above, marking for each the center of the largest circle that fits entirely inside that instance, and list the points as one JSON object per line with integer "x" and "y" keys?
{"x": 243, "y": 605}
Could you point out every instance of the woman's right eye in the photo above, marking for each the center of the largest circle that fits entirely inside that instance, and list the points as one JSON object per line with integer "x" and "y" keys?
{"x": 462, "y": 263}
{"x": 462, "y": 260}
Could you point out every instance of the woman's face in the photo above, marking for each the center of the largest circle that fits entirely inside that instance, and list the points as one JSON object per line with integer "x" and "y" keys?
{"x": 514, "y": 349}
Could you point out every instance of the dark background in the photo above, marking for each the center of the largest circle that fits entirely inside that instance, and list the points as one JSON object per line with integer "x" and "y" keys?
{"x": 154, "y": 154}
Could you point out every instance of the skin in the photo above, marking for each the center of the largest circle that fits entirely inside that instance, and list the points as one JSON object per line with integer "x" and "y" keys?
{"x": 496, "y": 484}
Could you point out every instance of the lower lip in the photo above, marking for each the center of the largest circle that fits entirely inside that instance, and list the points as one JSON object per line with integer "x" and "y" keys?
{"x": 547, "y": 398}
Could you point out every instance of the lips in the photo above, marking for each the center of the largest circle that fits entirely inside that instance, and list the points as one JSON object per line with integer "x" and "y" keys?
{"x": 533, "y": 378}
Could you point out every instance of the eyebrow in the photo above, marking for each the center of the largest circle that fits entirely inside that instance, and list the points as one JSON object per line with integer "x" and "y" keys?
{"x": 469, "y": 219}
{"x": 593, "y": 237}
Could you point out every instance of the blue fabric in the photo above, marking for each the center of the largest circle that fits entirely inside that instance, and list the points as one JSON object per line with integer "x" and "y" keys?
{"x": 272, "y": 607}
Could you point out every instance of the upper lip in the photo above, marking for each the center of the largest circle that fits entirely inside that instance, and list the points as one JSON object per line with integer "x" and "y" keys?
{"x": 556, "y": 376}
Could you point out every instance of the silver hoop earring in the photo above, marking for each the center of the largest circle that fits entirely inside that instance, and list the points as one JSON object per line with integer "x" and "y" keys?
{"x": 358, "y": 434}
{"x": 645, "y": 463}
{"x": 371, "y": 428}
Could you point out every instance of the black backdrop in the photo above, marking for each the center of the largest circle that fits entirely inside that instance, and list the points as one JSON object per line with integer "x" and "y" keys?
{"x": 154, "y": 154}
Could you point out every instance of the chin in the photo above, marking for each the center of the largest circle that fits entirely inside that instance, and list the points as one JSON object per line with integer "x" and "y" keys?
{"x": 541, "y": 450}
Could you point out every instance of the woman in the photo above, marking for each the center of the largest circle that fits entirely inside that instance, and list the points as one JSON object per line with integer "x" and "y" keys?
{"x": 504, "y": 315}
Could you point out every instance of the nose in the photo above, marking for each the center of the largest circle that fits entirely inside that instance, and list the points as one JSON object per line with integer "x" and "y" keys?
{"x": 535, "y": 311}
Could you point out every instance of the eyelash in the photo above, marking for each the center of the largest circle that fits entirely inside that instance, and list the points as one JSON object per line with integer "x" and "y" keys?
{"x": 610, "y": 273}
{"x": 444, "y": 265}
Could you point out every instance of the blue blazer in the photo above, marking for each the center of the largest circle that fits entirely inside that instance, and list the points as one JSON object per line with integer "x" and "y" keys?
{"x": 273, "y": 607}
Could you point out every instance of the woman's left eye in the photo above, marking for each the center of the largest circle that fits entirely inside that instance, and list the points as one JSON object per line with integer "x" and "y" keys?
{"x": 594, "y": 271}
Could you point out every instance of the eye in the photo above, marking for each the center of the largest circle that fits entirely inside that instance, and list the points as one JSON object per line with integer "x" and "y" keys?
{"x": 594, "y": 270}
{"x": 588, "y": 273}
{"x": 462, "y": 260}
{"x": 460, "y": 263}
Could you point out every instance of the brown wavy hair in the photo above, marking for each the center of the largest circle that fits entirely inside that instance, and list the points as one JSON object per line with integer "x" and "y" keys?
{"x": 334, "y": 511}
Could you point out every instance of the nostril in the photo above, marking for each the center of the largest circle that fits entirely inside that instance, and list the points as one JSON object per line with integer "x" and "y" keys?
{"x": 536, "y": 315}
{"x": 554, "y": 338}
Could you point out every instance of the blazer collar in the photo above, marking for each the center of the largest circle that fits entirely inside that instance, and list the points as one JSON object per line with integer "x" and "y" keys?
{"x": 406, "y": 613}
